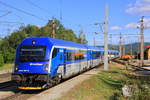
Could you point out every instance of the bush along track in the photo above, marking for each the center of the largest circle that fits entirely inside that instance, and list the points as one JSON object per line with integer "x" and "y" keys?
{"x": 137, "y": 85}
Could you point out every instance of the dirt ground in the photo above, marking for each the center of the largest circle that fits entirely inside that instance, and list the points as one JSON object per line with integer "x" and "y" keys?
{"x": 5, "y": 77}
{"x": 116, "y": 65}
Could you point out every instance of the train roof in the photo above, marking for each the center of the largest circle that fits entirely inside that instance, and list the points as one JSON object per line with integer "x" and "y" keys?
{"x": 95, "y": 48}
{"x": 54, "y": 42}
{"x": 63, "y": 43}
{"x": 60, "y": 43}
{"x": 115, "y": 51}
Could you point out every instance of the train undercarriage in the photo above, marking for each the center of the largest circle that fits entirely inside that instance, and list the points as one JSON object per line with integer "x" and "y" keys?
{"x": 34, "y": 81}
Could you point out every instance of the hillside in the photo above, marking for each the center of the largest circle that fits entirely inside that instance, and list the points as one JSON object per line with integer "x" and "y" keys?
{"x": 135, "y": 47}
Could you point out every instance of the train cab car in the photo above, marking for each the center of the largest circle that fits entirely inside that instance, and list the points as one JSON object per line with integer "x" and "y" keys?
{"x": 42, "y": 62}
{"x": 113, "y": 54}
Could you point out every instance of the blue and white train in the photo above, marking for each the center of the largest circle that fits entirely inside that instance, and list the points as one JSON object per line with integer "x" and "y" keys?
{"x": 42, "y": 62}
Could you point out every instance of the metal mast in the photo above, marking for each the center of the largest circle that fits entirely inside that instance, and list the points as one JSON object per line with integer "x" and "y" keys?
{"x": 106, "y": 40}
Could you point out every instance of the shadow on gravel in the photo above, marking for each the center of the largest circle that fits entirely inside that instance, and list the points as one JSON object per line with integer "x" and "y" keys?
{"x": 31, "y": 91}
{"x": 142, "y": 71}
{"x": 147, "y": 65}
{"x": 15, "y": 90}
{"x": 8, "y": 86}
{"x": 5, "y": 75}
{"x": 4, "y": 83}
{"x": 137, "y": 69}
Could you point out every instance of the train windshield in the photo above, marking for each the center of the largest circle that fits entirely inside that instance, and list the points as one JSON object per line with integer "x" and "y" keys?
{"x": 32, "y": 53}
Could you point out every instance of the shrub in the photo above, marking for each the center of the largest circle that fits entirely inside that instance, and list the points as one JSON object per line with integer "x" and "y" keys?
{"x": 1, "y": 60}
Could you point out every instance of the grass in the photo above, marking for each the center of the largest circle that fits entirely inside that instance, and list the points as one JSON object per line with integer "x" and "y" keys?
{"x": 104, "y": 86}
{"x": 6, "y": 66}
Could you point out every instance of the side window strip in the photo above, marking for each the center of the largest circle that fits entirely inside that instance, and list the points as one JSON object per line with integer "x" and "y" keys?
{"x": 55, "y": 52}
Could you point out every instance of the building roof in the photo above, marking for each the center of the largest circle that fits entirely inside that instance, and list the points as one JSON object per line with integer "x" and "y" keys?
{"x": 148, "y": 46}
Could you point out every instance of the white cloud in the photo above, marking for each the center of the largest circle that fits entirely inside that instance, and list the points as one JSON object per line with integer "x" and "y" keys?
{"x": 147, "y": 20}
{"x": 140, "y": 7}
{"x": 132, "y": 25}
{"x": 115, "y": 28}
{"x": 135, "y": 25}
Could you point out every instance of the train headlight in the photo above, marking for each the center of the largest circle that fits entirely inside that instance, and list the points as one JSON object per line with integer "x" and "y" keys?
{"x": 16, "y": 68}
{"x": 46, "y": 67}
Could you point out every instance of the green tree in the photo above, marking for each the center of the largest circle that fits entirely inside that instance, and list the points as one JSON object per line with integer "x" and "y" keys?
{"x": 9, "y": 43}
{"x": 82, "y": 38}
{"x": 1, "y": 60}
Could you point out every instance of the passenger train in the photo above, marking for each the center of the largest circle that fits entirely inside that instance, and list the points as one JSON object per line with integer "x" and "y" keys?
{"x": 42, "y": 62}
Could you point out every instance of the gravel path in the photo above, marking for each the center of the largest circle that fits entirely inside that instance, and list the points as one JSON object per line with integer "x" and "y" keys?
{"x": 5, "y": 71}
{"x": 6, "y": 92}
{"x": 5, "y": 77}
{"x": 22, "y": 95}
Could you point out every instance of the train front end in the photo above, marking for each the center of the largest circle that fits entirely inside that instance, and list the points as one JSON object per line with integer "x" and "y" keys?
{"x": 32, "y": 64}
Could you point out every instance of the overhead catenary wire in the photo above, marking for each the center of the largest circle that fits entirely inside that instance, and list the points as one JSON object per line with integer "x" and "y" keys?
{"x": 35, "y": 5}
{"x": 7, "y": 22}
{"x": 7, "y": 12}
{"x": 46, "y": 11}
{"x": 61, "y": 13}
{"x": 20, "y": 10}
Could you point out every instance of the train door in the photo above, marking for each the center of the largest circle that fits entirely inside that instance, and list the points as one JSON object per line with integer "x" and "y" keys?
{"x": 64, "y": 61}
{"x": 62, "y": 64}
{"x": 57, "y": 61}
{"x": 101, "y": 54}
{"x": 87, "y": 60}
{"x": 90, "y": 58}
{"x": 61, "y": 56}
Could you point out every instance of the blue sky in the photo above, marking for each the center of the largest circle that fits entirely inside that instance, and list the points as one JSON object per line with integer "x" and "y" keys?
{"x": 79, "y": 15}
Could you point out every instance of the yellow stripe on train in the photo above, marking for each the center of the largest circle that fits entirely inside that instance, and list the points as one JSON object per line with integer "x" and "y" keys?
{"x": 31, "y": 88}
{"x": 76, "y": 49}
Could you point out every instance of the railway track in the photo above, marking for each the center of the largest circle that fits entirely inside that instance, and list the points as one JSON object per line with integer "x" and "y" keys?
{"x": 5, "y": 81}
{"x": 4, "y": 78}
{"x": 5, "y": 75}
{"x": 6, "y": 84}
{"x": 22, "y": 95}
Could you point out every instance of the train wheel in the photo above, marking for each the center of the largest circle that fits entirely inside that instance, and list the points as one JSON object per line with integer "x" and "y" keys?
{"x": 58, "y": 79}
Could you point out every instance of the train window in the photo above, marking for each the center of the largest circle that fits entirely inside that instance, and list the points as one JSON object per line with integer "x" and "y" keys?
{"x": 71, "y": 56}
{"x": 79, "y": 55}
{"x": 60, "y": 57}
{"x": 102, "y": 53}
{"x": 32, "y": 53}
{"x": 55, "y": 51}
{"x": 96, "y": 54}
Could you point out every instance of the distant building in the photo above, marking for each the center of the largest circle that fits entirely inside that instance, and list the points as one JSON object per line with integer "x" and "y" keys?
{"x": 147, "y": 53}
